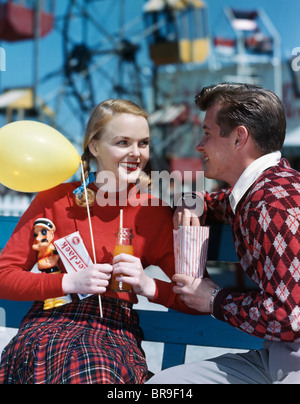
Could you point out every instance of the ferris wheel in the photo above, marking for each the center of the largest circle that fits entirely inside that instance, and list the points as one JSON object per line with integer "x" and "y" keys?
{"x": 101, "y": 46}
{"x": 99, "y": 43}
{"x": 108, "y": 49}
{"x": 103, "y": 49}
{"x": 115, "y": 47}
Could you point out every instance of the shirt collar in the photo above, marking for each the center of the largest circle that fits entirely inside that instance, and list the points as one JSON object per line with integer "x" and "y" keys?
{"x": 250, "y": 175}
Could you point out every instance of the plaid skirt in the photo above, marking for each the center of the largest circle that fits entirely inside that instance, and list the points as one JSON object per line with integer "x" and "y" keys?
{"x": 73, "y": 345}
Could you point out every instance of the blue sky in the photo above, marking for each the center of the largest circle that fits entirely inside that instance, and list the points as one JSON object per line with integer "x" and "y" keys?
{"x": 19, "y": 56}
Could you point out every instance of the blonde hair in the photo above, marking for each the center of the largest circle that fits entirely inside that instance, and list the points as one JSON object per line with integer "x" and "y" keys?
{"x": 102, "y": 114}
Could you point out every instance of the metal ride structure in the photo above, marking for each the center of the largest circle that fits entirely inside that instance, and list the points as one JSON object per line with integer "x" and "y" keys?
{"x": 249, "y": 52}
{"x": 113, "y": 47}
{"x": 153, "y": 52}
{"x": 107, "y": 48}
{"x": 22, "y": 20}
{"x": 180, "y": 36}
{"x": 179, "y": 45}
{"x": 101, "y": 41}
{"x": 98, "y": 47}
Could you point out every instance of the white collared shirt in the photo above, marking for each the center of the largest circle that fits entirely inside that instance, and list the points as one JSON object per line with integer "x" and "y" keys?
{"x": 250, "y": 175}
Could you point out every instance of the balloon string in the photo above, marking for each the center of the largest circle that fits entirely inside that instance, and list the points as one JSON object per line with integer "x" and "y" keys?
{"x": 91, "y": 231}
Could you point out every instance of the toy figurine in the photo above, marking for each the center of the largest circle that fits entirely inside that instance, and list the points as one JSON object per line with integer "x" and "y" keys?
{"x": 48, "y": 257}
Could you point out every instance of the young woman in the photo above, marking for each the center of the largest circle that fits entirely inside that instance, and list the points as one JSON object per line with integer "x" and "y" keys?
{"x": 72, "y": 343}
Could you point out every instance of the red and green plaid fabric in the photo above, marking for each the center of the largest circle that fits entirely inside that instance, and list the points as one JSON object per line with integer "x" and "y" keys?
{"x": 73, "y": 345}
{"x": 266, "y": 232}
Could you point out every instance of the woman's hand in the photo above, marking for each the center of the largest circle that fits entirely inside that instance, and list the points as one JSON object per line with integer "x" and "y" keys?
{"x": 92, "y": 280}
{"x": 129, "y": 269}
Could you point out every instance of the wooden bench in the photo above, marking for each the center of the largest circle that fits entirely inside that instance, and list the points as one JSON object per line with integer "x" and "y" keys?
{"x": 176, "y": 330}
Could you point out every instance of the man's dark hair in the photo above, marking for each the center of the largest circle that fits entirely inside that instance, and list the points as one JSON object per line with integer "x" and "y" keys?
{"x": 254, "y": 107}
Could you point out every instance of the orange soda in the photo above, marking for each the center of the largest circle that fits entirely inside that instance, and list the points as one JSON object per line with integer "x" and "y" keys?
{"x": 123, "y": 245}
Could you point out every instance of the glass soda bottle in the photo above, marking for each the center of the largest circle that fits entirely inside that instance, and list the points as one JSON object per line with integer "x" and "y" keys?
{"x": 123, "y": 245}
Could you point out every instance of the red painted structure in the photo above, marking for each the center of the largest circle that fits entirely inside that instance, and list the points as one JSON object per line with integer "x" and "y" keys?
{"x": 17, "y": 22}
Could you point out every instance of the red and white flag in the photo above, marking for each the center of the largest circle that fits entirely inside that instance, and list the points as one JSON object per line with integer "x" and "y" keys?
{"x": 73, "y": 254}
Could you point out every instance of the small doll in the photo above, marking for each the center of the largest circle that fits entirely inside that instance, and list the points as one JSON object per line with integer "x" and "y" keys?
{"x": 48, "y": 257}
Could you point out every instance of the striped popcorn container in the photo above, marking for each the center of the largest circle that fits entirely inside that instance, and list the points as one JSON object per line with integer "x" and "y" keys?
{"x": 190, "y": 249}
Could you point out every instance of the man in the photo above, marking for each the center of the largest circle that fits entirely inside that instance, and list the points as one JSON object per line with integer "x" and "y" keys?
{"x": 244, "y": 131}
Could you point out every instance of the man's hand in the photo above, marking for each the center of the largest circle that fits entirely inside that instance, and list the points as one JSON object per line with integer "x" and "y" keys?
{"x": 185, "y": 217}
{"x": 190, "y": 208}
{"x": 195, "y": 292}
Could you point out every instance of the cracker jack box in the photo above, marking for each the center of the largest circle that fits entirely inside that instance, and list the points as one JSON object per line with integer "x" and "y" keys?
{"x": 73, "y": 254}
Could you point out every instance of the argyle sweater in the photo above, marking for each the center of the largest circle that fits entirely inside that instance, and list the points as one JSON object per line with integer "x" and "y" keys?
{"x": 266, "y": 235}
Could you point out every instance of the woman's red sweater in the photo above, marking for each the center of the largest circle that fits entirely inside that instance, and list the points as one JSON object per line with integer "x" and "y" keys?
{"x": 153, "y": 243}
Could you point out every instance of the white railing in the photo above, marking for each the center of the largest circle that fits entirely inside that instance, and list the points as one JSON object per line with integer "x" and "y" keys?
{"x": 14, "y": 204}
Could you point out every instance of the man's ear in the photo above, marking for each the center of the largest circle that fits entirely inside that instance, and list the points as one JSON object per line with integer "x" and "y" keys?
{"x": 241, "y": 137}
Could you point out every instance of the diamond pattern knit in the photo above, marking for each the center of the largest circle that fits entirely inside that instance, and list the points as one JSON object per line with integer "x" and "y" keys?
{"x": 266, "y": 233}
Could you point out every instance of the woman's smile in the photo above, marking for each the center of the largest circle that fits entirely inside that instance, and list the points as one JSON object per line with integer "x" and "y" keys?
{"x": 130, "y": 167}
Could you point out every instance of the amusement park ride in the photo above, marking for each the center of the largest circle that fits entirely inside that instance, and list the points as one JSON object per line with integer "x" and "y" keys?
{"x": 101, "y": 43}
{"x": 95, "y": 32}
{"x": 159, "y": 58}
{"x": 18, "y": 20}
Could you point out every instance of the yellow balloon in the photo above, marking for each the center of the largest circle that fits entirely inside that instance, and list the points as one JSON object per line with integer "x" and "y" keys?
{"x": 35, "y": 157}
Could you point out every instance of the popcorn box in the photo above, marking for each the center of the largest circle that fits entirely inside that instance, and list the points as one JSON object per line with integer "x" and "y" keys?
{"x": 190, "y": 250}
{"x": 73, "y": 254}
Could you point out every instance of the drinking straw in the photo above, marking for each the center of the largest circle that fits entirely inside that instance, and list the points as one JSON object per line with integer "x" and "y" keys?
{"x": 121, "y": 222}
{"x": 91, "y": 232}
